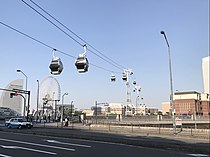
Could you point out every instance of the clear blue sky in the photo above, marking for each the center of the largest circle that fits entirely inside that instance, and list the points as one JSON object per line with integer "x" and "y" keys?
{"x": 127, "y": 31}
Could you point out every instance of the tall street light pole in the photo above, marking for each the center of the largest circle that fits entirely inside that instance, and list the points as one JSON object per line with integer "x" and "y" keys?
{"x": 171, "y": 85}
{"x": 20, "y": 71}
{"x": 62, "y": 108}
{"x": 37, "y": 103}
{"x": 71, "y": 109}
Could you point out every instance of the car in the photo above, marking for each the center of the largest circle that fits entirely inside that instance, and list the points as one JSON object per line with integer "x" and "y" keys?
{"x": 18, "y": 123}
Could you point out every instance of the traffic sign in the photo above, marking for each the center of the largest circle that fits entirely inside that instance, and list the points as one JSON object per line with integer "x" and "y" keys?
{"x": 178, "y": 121}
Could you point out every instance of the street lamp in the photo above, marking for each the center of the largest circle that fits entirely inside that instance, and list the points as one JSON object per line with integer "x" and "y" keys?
{"x": 62, "y": 108}
{"x": 171, "y": 97}
{"x": 71, "y": 109}
{"x": 137, "y": 98}
{"x": 37, "y": 105}
{"x": 26, "y": 90}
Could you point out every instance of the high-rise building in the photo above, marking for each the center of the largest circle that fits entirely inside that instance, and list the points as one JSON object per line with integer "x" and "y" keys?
{"x": 14, "y": 103}
{"x": 205, "y": 69}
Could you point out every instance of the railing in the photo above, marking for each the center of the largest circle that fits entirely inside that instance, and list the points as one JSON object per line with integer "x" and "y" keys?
{"x": 151, "y": 130}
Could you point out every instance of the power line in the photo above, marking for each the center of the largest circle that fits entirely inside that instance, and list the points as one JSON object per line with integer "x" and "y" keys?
{"x": 48, "y": 46}
{"x": 107, "y": 58}
{"x": 75, "y": 34}
{"x": 26, "y": 35}
{"x": 51, "y": 22}
{"x": 34, "y": 39}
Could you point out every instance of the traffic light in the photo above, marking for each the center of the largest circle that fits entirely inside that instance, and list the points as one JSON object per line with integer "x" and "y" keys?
{"x": 13, "y": 94}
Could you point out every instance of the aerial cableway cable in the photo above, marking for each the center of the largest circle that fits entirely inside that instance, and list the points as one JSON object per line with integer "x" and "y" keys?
{"x": 52, "y": 23}
{"x": 105, "y": 58}
{"x": 75, "y": 34}
{"x": 51, "y": 47}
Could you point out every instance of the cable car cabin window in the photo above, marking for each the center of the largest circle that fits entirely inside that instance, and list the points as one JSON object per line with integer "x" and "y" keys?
{"x": 80, "y": 66}
{"x": 54, "y": 67}
{"x": 112, "y": 79}
{"x": 124, "y": 78}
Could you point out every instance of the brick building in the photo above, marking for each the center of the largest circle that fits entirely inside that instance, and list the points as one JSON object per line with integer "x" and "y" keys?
{"x": 191, "y": 103}
{"x": 205, "y": 104}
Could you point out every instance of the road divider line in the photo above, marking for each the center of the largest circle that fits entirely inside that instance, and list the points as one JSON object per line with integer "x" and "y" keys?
{"x": 70, "y": 144}
{"x": 36, "y": 144}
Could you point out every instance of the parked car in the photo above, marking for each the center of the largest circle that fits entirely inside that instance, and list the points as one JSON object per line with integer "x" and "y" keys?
{"x": 18, "y": 123}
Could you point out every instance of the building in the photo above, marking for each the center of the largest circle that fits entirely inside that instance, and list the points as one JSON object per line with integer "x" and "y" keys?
{"x": 119, "y": 109}
{"x": 191, "y": 103}
{"x": 153, "y": 111}
{"x": 166, "y": 108}
{"x": 141, "y": 109}
{"x": 206, "y": 69}
{"x": 6, "y": 112}
{"x": 15, "y": 103}
{"x": 205, "y": 104}
{"x": 108, "y": 108}
{"x": 98, "y": 110}
{"x": 115, "y": 108}
{"x": 88, "y": 112}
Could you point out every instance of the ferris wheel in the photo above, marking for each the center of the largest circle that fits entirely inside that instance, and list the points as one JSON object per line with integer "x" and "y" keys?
{"x": 49, "y": 92}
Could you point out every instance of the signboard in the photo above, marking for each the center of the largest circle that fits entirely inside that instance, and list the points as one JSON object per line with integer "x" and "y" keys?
{"x": 178, "y": 121}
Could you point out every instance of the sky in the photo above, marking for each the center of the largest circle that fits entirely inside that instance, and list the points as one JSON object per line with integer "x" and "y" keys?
{"x": 126, "y": 31}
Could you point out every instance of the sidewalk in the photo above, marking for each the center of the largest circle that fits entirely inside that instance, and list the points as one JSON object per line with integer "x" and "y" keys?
{"x": 145, "y": 132}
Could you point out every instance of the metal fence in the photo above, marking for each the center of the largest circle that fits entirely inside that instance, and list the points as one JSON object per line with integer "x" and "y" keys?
{"x": 149, "y": 130}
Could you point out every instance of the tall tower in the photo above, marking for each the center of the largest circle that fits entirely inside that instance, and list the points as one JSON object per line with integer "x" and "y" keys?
{"x": 205, "y": 69}
{"x": 126, "y": 74}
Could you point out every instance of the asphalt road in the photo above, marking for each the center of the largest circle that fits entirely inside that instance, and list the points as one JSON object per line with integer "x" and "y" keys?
{"x": 19, "y": 145}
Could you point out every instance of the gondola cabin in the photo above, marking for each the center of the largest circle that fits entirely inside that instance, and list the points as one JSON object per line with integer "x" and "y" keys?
{"x": 124, "y": 77}
{"x": 82, "y": 63}
{"x": 56, "y": 66}
{"x": 113, "y": 78}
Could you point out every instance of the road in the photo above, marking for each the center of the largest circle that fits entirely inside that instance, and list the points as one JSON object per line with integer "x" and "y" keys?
{"x": 19, "y": 145}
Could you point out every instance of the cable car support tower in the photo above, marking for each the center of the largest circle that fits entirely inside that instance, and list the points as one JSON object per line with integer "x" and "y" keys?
{"x": 126, "y": 74}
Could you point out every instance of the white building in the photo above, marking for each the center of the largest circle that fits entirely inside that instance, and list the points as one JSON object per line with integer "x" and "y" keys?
{"x": 14, "y": 103}
{"x": 120, "y": 109}
{"x": 141, "y": 109}
{"x": 114, "y": 108}
{"x": 205, "y": 68}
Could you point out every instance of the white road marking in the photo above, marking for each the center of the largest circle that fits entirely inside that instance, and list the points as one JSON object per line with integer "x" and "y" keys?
{"x": 34, "y": 150}
{"x": 198, "y": 155}
{"x": 70, "y": 144}
{"x": 4, "y": 155}
{"x": 36, "y": 144}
